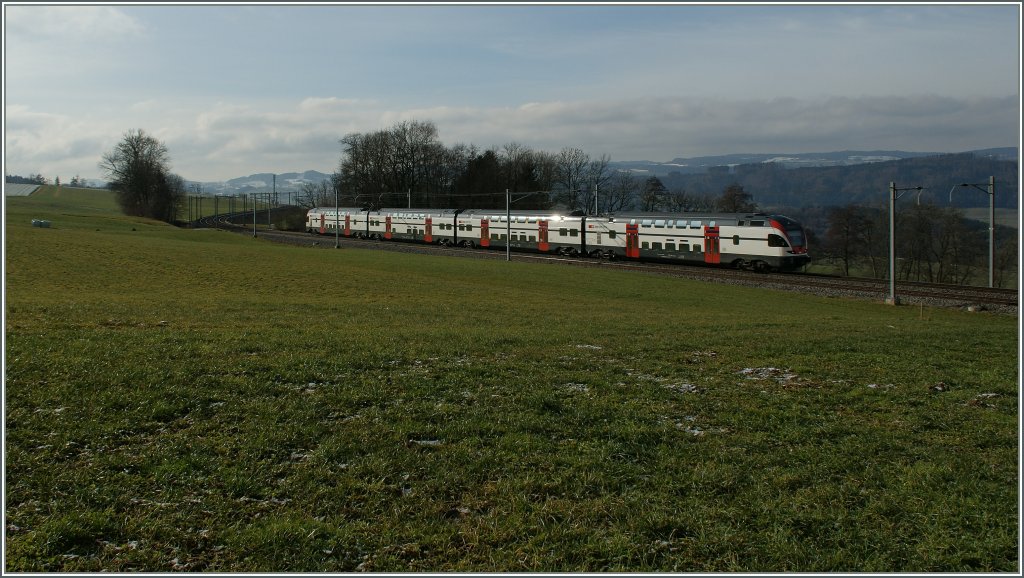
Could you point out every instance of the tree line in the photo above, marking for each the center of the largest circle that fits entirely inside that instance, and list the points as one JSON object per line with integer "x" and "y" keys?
{"x": 407, "y": 165}
{"x": 38, "y": 179}
{"x": 933, "y": 244}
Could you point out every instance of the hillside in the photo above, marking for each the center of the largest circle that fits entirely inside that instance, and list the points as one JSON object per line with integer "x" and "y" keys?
{"x": 698, "y": 165}
{"x": 772, "y": 184}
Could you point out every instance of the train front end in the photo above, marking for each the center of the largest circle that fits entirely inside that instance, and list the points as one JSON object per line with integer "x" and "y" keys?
{"x": 794, "y": 254}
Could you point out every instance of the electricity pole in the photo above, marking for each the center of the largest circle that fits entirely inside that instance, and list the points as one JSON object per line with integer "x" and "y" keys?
{"x": 991, "y": 222}
{"x": 892, "y": 299}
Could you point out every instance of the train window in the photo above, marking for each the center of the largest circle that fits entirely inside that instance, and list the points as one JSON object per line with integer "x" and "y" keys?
{"x": 646, "y": 222}
{"x": 694, "y": 224}
{"x": 684, "y": 247}
{"x": 660, "y": 223}
{"x": 670, "y": 246}
{"x": 741, "y": 223}
{"x": 645, "y": 245}
{"x": 756, "y": 223}
{"x": 521, "y": 219}
{"x": 632, "y": 221}
{"x": 711, "y": 224}
{"x": 611, "y": 234}
{"x": 656, "y": 246}
{"x": 671, "y": 223}
{"x": 531, "y": 220}
{"x": 563, "y": 232}
{"x": 696, "y": 248}
{"x": 533, "y": 238}
{"x": 776, "y": 241}
{"x": 735, "y": 239}
{"x": 574, "y": 233}
{"x": 494, "y": 236}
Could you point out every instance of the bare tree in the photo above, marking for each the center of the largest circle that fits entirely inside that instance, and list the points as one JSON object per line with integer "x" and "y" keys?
{"x": 621, "y": 192}
{"x": 680, "y": 201}
{"x": 517, "y": 160}
{"x": 572, "y": 164}
{"x": 847, "y": 235}
{"x": 735, "y": 200}
{"x": 545, "y": 170}
{"x": 596, "y": 179}
{"x": 653, "y": 194}
{"x": 139, "y": 174}
{"x": 406, "y": 159}
{"x": 315, "y": 195}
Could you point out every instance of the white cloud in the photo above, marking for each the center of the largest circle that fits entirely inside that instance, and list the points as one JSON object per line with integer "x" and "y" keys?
{"x": 329, "y": 104}
{"x": 227, "y": 141}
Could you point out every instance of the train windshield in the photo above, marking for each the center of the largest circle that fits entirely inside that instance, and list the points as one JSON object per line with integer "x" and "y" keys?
{"x": 796, "y": 234}
{"x": 794, "y": 231}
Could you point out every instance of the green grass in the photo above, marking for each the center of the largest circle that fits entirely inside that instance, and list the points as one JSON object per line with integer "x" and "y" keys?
{"x": 204, "y": 401}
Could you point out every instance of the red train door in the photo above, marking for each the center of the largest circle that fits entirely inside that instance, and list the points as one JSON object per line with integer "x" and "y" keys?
{"x": 348, "y": 225}
{"x": 633, "y": 241}
{"x": 428, "y": 233}
{"x": 543, "y": 233}
{"x": 323, "y": 223}
{"x": 711, "y": 247}
{"x": 387, "y": 230}
{"x": 485, "y": 233}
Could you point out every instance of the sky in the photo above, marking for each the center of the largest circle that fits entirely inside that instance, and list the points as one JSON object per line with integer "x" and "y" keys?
{"x": 234, "y": 90}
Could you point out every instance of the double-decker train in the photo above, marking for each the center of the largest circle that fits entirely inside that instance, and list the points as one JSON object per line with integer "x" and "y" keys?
{"x": 745, "y": 240}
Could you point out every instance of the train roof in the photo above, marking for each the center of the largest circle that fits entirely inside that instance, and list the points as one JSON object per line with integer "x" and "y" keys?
{"x": 704, "y": 216}
{"x": 567, "y": 215}
{"x": 686, "y": 215}
{"x": 320, "y": 209}
{"x": 520, "y": 213}
{"x": 415, "y": 210}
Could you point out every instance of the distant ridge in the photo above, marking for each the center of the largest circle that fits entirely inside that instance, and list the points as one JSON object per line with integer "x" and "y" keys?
{"x": 696, "y": 165}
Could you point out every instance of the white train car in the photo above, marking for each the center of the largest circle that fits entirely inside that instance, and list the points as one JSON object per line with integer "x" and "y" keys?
{"x": 325, "y": 220}
{"x": 748, "y": 240}
{"x": 418, "y": 225}
{"x": 541, "y": 231}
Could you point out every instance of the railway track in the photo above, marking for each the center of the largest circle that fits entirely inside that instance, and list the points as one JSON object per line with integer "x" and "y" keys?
{"x": 994, "y": 299}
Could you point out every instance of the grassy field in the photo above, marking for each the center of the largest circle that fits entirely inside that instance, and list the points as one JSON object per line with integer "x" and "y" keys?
{"x": 1004, "y": 217}
{"x": 184, "y": 400}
